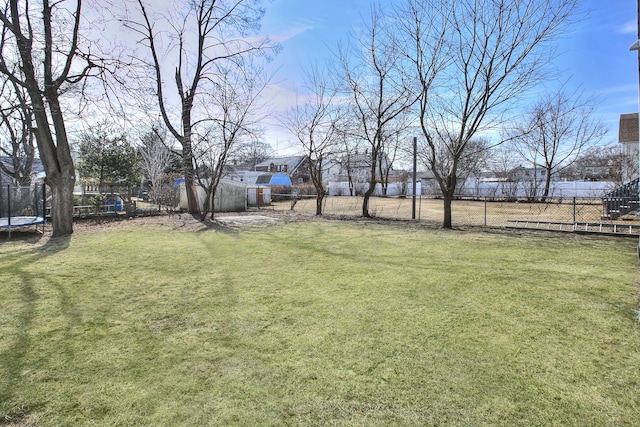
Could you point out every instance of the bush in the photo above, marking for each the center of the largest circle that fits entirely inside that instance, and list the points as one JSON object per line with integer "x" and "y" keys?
{"x": 305, "y": 190}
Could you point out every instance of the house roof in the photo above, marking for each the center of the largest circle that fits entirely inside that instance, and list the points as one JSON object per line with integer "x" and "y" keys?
{"x": 273, "y": 179}
{"x": 292, "y": 162}
{"x": 628, "y": 131}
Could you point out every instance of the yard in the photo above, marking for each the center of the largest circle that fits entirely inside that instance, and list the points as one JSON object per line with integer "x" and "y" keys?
{"x": 167, "y": 322}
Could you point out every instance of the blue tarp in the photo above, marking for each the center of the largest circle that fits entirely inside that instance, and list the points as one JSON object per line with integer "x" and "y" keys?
{"x": 273, "y": 179}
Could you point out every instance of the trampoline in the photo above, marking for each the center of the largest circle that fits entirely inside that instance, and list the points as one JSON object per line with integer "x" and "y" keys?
{"x": 22, "y": 207}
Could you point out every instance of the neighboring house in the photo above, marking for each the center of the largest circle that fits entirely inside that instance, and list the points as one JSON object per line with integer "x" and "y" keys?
{"x": 295, "y": 167}
{"x": 523, "y": 174}
{"x": 356, "y": 166}
{"x": 244, "y": 176}
{"x": 628, "y": 137}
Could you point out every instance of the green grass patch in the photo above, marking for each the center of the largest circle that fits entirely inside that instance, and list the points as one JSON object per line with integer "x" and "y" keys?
{"x": 319, "y": 323}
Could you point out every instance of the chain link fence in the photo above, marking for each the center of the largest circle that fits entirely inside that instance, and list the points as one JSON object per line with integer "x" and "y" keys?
{"x": 481, "y": 211}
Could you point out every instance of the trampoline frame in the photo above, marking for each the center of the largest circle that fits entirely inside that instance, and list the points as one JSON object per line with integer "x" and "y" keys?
{"x": 10, "y": 222}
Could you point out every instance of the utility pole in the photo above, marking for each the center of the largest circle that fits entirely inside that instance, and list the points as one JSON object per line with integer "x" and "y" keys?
{"x": 415, "y": 173}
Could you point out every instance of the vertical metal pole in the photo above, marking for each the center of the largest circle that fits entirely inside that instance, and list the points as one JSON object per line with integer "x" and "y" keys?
{"x": 9, "y": 208}
{"x": 415, "y": 173}
{"x": 574, "y": 213}
{"x": 636, "y": 46}
{"x": 485, "y": 211}
{"x": 44, "y": 205}
{"x": 638, "y": 54}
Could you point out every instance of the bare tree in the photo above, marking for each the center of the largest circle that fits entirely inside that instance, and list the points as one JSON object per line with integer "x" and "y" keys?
{"x": 16, "y": 130}
{"x": 236, "y": 108}
{"x": 394, "y": 146}
{"x": 373, "y": 76}
{"x": 155, "y": 159}
{"x": 249, "y": 154}
{"x": 609, "y": 162}
{"x": 472, "y": 60}
{"x": 556, "y": 130}
{"x": 473, "y": 162}
{"x": 501, "y": 163}
{"x": 202, "y": 37}
{"x": 314, "y": 122}
{"x": 40, "y": 57}
{"x": 348, "y": 154}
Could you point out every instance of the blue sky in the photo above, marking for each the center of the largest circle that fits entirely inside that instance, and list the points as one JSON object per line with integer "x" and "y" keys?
{"x": 595, "y": 56}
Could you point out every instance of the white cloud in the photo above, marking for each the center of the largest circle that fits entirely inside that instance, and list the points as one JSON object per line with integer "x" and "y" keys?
{"x": 290, "y": 33}
{"x": 629, "y": 27}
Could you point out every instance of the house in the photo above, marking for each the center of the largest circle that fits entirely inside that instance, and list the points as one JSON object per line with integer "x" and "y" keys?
{"x": 628, "y": 137}
{"x": 244, "y": 176}
{"x": 537, "y": 174}
{"x": 356, "y": 166}
{"x": 296, "y": 167}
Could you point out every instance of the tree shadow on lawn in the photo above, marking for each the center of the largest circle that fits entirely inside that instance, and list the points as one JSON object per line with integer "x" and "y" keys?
{"x": 12, "y": 359}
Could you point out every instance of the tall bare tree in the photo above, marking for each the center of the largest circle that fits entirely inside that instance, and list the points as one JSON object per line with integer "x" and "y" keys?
{"x": 39, "y": 49}
{"x": 314, "y": 122}
{"x": 395, "y": 147}
{"x": 191, "y": 43}
{"x": 556, "y": 130}
{"x": 236, "y": 107}
{"x": 16, "y": 133}
{"x": 373, "y": 75}
{"x": 473, "y": 59}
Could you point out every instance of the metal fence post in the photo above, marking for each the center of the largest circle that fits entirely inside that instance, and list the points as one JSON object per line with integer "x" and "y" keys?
{"x": 9, "y": 213}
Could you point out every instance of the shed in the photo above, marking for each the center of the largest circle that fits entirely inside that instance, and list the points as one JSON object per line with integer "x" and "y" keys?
{"x": 230, "y": 197}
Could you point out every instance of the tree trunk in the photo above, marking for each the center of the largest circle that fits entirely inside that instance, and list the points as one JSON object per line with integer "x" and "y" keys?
{"x": 209, "y": 202}
{"x": 319, "y": 199}
{"x": 372, "y": 185}
{"x": 62, "y": 204}
{"x": 189, "y": 174}
{"x": 547, "y": 185}
{"x": 206, "y": 204}
{"x": 367, "y": 196}
{"x": 192, "y": 195}
{"x": 447, "y": 212}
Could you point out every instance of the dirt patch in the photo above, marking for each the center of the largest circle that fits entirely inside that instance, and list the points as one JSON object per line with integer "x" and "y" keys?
{"x": 19, "y": 421}
{"x": 247, "y": 220}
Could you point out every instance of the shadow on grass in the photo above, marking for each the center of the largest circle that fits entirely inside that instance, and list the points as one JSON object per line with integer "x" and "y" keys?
{"x": 12, "y": 358}
{"x": 23, "y": 236}
{"x": 212, "y": 224}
